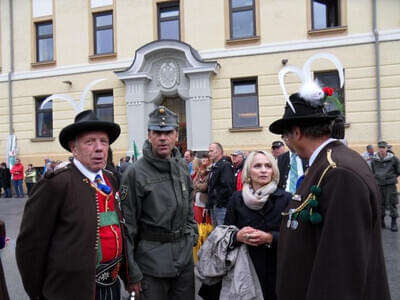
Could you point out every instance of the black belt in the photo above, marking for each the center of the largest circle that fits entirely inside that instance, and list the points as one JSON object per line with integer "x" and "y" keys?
{"x": 107, "y": 273}
{"x": 161, "y": 236}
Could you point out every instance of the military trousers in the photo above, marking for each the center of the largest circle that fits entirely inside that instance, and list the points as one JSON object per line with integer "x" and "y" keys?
{"x": 389, "y": 200}
{"x": 180, "y": 287}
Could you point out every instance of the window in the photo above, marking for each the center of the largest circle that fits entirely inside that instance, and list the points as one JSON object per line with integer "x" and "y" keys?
{"x": 44, "y": 118}
{"x": 103, "y": 106}
{"x": 44, "y": 41}
{"x": 103, "y": 33}
{"x": 242, "y": 23}
{"x": 331, "y": 79}
{"x": 244, "y": 104}
{"x": 168, "y": 21}
{"x": 325, "y": 14}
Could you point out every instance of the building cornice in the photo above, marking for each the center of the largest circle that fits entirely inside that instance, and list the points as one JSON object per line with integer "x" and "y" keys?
{"x": 358, "y": 39}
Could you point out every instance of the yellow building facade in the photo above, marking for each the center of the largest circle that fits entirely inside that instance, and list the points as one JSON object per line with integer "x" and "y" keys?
{"x": 216, "y": 62}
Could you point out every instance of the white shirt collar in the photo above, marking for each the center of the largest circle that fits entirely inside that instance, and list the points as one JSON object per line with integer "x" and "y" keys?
{"x": 85, "y": 171}
{"x": 318, "y": 150}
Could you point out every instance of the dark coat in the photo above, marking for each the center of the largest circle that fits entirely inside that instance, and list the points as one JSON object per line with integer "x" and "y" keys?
{"x": 56, "y": 246}
{"x": 220, "y": 183}
{"x": 268, "y": 219}
{"x": 284, "y": 168}
{"x": 342, "y": 257}
{"x": 5, "y": 177}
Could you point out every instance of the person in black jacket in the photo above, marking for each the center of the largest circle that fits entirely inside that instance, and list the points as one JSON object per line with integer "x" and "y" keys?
{"x": 220, "y": 183}
{"x": 256, "y": 211}
{"x": 291, "y": 168}
{"x": 5, "y": 179}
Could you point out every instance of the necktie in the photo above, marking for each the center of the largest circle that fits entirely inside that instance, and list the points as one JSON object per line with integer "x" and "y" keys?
{"x": 293, "y": 175}
{"x": 102, "y": 187}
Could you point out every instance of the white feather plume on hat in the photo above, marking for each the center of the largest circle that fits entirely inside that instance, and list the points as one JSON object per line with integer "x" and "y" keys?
{"x": 310, "y": 90}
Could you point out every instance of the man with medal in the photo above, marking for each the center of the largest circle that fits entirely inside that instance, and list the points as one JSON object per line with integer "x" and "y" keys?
{"x": 71, "y": 239}
{"x": 330, "y": 243}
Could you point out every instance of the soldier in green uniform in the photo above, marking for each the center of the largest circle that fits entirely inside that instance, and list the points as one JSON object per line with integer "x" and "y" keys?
{"x": 157, "y": 206}
{"x": 386, "y": 168}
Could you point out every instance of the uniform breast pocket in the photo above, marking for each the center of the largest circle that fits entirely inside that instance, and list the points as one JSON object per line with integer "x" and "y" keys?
{"x": 184, "y": 188}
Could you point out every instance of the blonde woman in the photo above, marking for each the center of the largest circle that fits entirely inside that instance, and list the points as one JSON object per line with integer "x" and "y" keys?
{"x": 256, "y": 211}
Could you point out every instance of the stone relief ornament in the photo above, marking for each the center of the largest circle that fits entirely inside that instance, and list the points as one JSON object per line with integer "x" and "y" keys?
{"x": 168, "y": 75}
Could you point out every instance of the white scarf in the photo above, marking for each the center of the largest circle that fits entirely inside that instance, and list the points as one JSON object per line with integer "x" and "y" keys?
{"x": 256, "y": 200}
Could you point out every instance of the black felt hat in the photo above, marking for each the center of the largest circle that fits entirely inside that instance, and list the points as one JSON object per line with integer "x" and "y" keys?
{"x": 87, "y": 121}
{"x": 305, "y": 114}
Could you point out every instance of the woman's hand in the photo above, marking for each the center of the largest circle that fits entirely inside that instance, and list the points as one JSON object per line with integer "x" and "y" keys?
{"x": 250, "y": 236}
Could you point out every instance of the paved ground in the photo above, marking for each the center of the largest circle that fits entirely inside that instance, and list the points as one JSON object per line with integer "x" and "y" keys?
{"x": 11, "y": 211}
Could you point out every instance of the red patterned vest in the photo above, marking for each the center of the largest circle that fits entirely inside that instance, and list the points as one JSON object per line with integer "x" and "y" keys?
{"x": 109, "y": 231}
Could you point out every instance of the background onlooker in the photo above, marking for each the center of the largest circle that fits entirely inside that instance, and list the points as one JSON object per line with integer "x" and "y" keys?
{"x": 189, "y": 157}
{"x": 124, "y": 165}
{"x": 291, "y": 168}
{"x": 5, "y": 180}
{"x": 386, "y": 168}
{"x": 277, "y": 148}
{"x": 17, "y": 172}
{"x": 200, "y": 188}
{"x": 369, "y": 154}
{"x": 30, "y": 178}
{"x": 220, "y": 183}
{"x": 237, "y": 162}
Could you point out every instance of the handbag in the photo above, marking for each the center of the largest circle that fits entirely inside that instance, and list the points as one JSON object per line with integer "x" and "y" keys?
{"x": 204, "y": 230}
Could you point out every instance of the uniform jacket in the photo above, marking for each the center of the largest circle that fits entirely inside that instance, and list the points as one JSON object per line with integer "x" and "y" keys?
{"x": 156, "y": 194}
{"x": 220, "y": 183}
{"x": 342, "y": 257}
{"x": 17, "y": 172}
{"x": 56, "y": 246}
{"x": 284, "y": 168}
{"x": 385, "y": 169}
{"x": 234, "y": 267}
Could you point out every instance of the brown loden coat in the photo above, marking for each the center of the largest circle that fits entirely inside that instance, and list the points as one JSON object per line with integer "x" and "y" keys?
{"x": 56, "y": 246}
{"x": 342, "y": 257}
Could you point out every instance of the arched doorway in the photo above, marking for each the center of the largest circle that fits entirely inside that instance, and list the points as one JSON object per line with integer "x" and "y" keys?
{"x": 177, "y": 105}
{"x": 174, "y": 72}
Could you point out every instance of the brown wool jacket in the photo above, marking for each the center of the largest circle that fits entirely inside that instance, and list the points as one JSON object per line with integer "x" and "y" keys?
{"x": 56, "y": 246}
{"x": 342, "y": 257}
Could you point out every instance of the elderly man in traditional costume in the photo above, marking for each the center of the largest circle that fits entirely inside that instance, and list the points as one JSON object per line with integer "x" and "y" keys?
{"x": 70, "y": 241}
{"x": 330, "y": 243}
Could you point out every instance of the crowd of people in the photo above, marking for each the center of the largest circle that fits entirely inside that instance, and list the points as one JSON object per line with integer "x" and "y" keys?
{"x": 298, "y": 224}
{"x": 164, "y": 194}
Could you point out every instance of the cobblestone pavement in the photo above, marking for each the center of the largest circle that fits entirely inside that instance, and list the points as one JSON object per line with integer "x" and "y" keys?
{"x": 11, "y": 212}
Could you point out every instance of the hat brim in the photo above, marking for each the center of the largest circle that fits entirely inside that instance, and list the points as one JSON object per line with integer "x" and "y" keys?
{"x": 69, "y": 133}
{"x": 280, "y": 125}
{"x": 161, "y": 128}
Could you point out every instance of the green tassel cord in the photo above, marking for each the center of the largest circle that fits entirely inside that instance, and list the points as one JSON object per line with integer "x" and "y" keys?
{"x": 308, "y": 210}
